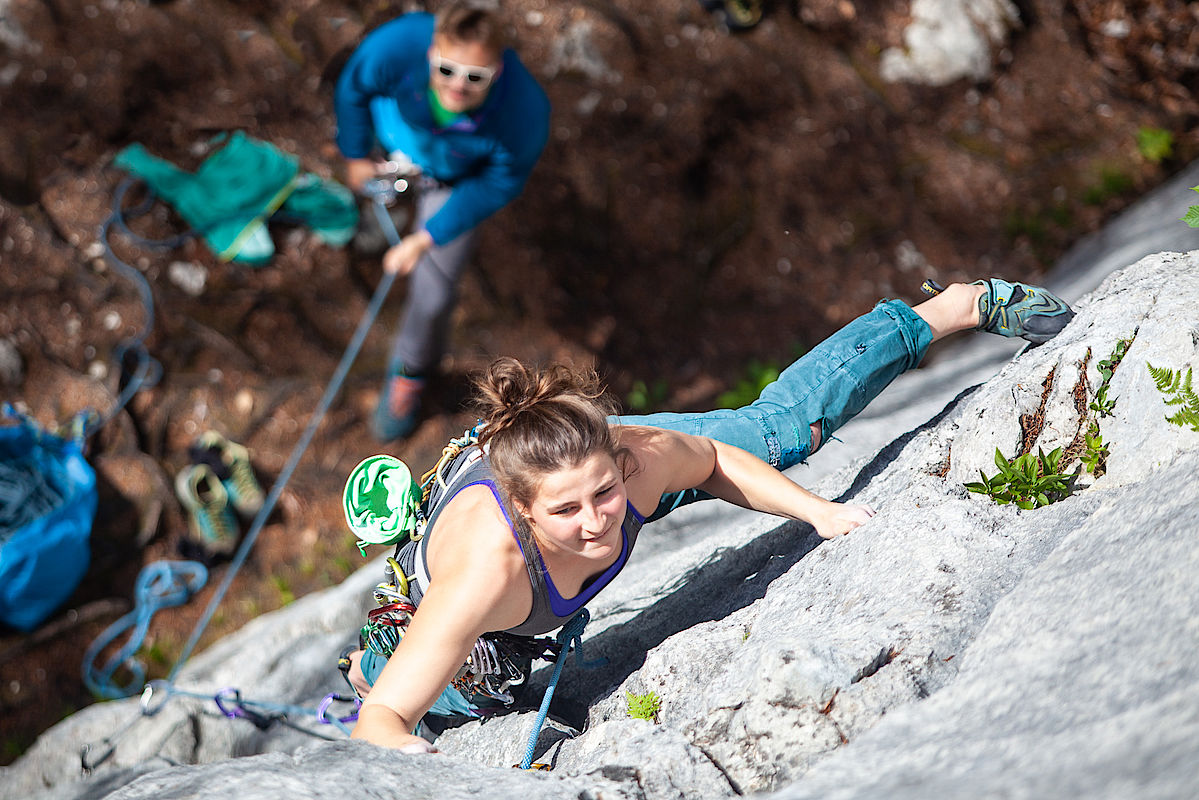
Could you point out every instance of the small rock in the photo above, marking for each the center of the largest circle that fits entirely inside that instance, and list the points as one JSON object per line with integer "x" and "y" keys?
{"x": 243, "y": 402}
{"x": 12, "y": 372}
{"x": 188, "y": 276}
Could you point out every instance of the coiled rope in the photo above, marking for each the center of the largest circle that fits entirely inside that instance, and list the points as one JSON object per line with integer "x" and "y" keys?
{"x": 162, "y": 584}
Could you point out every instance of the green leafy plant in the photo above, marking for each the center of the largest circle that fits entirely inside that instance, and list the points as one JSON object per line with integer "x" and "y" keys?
{"x": 642, "y": 397}
{"x": 644, "y": 706}
{"x": 283, "y": 588}
{"x": 1094, "y": 457}
{"x": 1192, "y": 216}
{"x": 1113, "y": 182}
{"x": 1176, "y": 386}
{"x": 1028, "y": 481}
{"x": 1155, "y": 144}
{"x": 1102, "y": 405}
{"x": 758, "y": 376}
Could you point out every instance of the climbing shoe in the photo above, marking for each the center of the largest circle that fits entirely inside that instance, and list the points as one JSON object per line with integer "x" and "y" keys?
{"x": 1009, "y": 308}
{"x": 210, "y": 521}
{"x": 231, "y": 464}
{"x": 396, "y": 415}
{"x": 738, "y": 15}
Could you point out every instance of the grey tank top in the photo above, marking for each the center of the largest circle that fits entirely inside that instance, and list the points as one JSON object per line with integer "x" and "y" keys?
{"x": 550, "y": 610}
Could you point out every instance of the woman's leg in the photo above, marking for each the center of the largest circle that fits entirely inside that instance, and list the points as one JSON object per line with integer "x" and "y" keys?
{"x": 814, "y": 396}
{"x": 828, "y": 386}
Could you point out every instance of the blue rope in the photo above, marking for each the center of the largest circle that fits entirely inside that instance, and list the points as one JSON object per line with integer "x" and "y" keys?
{"x": 570, "y": 635}
{"x": 148, "y": 370}
{"x": 268, "y": 505}
{"x": 163, "y": 584}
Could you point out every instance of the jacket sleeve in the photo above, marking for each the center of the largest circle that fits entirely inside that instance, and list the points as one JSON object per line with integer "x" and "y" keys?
{"x": 503, "y": 178}
{"x": 379, "y": 67}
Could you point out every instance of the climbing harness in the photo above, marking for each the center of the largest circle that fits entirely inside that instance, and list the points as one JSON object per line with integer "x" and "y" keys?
{"x": 383, "y": 504}
{"x": 231, "y": 704}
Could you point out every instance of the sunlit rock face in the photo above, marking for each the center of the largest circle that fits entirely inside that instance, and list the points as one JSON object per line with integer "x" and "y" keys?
{"x": 950, "y": 647}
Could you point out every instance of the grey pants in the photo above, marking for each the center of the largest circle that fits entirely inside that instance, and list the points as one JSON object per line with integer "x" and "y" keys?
{"x": 432, "y": 292}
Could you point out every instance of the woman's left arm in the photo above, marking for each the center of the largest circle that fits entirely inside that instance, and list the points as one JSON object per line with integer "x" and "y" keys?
{"x": 746, "y": 480}
{"x": 678, "y": 461}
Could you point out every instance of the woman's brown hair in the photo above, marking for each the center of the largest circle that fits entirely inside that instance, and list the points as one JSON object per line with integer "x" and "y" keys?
{"x": 540, "y": 421}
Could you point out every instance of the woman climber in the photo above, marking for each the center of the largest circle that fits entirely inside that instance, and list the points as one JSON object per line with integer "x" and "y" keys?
{"x": 544, "y": 511}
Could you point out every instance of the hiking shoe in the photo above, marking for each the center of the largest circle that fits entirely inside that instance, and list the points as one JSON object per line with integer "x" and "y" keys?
{"x": 1009, "y": 308}
{"x": 209, "y": 519}
{"x": 231, "y": 463}
{"x": 396, "y": 415}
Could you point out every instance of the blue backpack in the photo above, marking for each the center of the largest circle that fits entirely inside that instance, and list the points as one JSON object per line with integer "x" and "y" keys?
{"x": 47, "y": 505}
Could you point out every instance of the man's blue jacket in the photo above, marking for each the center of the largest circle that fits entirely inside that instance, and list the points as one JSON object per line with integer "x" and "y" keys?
{"x": 383, "y": 95}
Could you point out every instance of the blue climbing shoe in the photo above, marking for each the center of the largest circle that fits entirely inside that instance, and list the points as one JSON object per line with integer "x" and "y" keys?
{"x": 1009, "y": 308}
{"x": 399, "y": 406}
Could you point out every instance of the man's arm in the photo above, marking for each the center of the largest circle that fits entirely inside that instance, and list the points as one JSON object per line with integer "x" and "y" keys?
{"x": 386, "y": 59}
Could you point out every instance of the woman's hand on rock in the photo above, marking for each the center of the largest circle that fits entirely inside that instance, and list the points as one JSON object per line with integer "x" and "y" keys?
{"x": 842, "y": 518}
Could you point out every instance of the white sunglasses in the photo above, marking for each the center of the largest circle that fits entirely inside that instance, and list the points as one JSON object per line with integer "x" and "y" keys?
{"x": 475, "y": 77}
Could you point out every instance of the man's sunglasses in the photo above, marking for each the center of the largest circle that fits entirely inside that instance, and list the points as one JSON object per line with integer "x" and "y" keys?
{"x": 475, "y": 77}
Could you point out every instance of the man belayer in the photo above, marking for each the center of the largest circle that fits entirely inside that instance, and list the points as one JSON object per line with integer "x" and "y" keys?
{"x": 448, "y": 96}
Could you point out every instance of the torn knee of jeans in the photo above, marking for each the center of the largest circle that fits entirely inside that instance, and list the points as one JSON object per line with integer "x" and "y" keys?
{"x": 817, "y": 436}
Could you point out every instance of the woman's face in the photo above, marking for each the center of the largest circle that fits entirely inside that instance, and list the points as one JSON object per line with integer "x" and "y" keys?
{"x": 579, "y": 510}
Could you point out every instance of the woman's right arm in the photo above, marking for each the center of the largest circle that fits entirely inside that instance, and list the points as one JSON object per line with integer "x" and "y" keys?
{"x": 436, "y": 644}
{"x": 476, "y": 594}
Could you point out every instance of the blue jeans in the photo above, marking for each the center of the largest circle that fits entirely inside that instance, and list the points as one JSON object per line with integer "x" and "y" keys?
{"x": 828, "y": 385}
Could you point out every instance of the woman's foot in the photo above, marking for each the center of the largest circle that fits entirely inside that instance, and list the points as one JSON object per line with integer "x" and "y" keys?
{"x": 1009, "y": 308}
{"x": 1006, "y": 308}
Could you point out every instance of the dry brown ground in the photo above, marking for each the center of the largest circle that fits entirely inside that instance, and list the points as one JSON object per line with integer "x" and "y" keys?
{"x": 705, "y": 201}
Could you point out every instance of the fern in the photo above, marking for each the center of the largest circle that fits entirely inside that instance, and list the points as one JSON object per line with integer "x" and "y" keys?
{"x": 1192, "y": 216}
{"x": 1175, "y": 386}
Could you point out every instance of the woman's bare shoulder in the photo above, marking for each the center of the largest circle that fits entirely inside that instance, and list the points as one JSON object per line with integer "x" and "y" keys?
{"x": 663, "y": 460}
{"x": 473, "y": 543}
